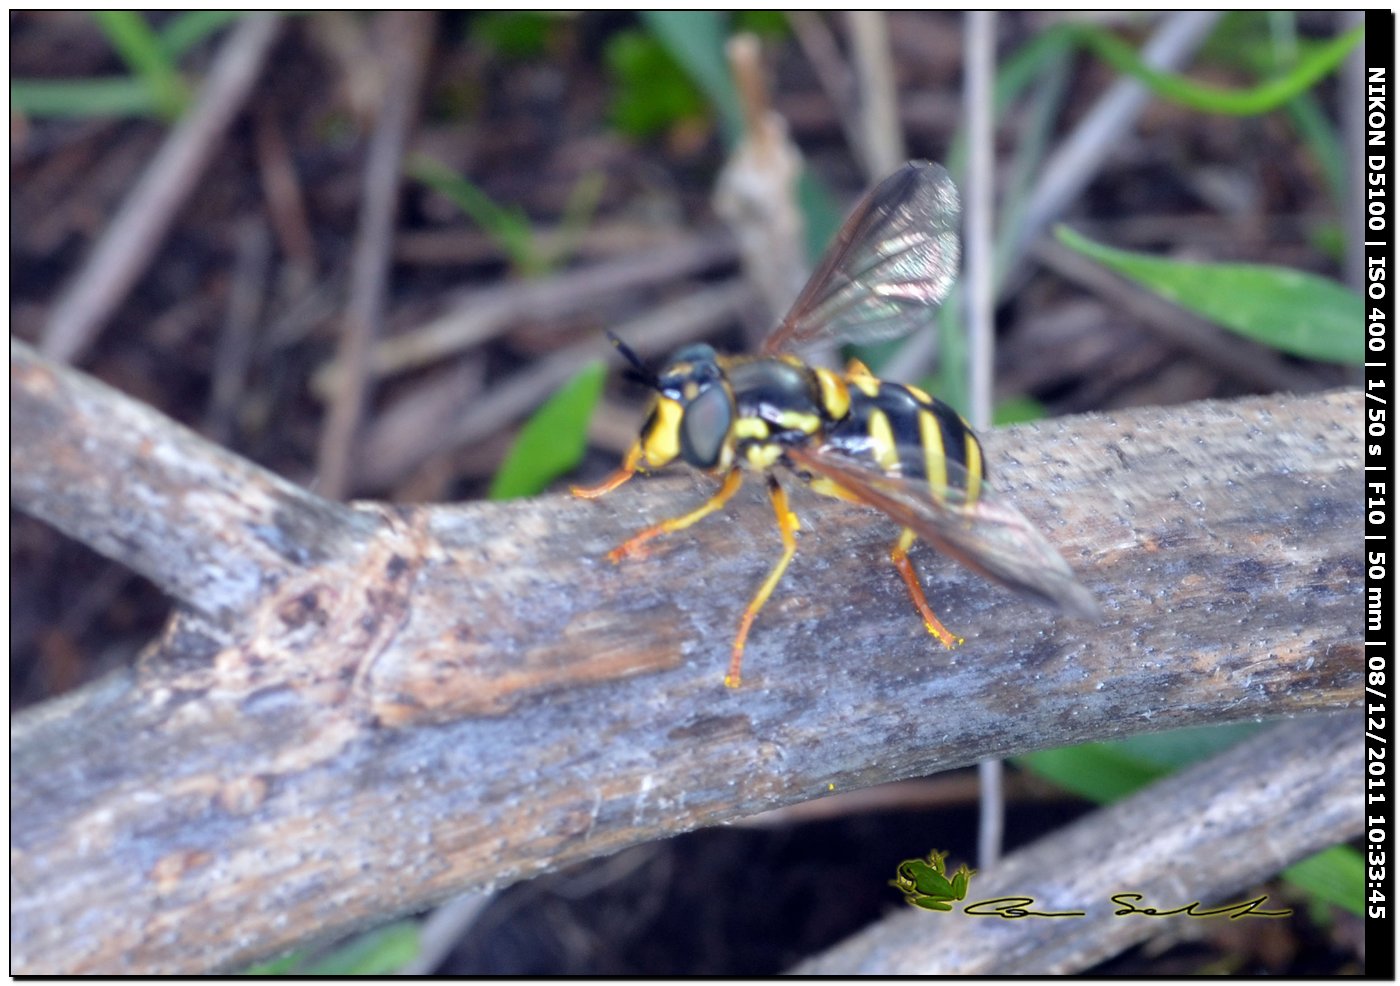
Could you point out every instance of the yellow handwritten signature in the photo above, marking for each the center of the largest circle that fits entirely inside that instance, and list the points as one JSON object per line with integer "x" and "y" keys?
{"x": 1016, "y": 908}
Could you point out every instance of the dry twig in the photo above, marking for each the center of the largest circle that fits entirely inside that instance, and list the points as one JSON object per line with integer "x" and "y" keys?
{"x": 1076, "y": 161}
{"x": 757, "y": 190}
{"x": 234, "y": 353}
{"x": 407, "y": 36}
{"x": 477, "y": 316}
{"x": 881, "y": 149}
{"x": 134, "y": 234}
{"x": 838, "y": 83}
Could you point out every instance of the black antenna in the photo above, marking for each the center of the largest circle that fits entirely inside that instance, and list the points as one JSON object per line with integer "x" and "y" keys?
{"x": 639, "y": 371}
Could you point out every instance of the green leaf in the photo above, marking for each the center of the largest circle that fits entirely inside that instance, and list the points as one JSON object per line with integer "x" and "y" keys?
{"x": 1323, "y": 142}
{"x": 156, "y": 89}
{"x": 764, "y": 23}
{"x": 650, "y": 91}
{"x": 954, "y": 385}
{"x": 1094, "y": 771}
{"x": 508, "y": 227}
{"x": 188, "y": 29}
{"x": 552, "y": 442}
{"x": 1176, "y": 748}
{"x": 83, "y": 98}
{"x": 1278, "y": 50}
{"x": 1016, "y": 410}
{"x": 141, "y": 49}
{"x": 579, "y": 210}
{"x": 695, "y": 39}
{"x": 1292, "y": 311}
{"x": 821, "y": 216}
{"x": 1317, "y": 63}
{"x": 375, "y": 953}
{"x": 283, "y": 965}
{"x": 1329, "y": 239}
{"x": 1105, "y": 772}
{"x": 518, "y": 34}
{"x": 1336, "y": 875}
{"x": 378, "y": 952}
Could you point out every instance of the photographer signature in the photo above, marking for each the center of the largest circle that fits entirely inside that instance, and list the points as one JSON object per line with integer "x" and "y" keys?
{"x": 926, "y": 883}
{"x": 1015, "y": 908}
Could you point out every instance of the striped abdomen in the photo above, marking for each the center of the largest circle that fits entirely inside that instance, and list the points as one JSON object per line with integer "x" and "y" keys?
{"x": 909, "y": 433}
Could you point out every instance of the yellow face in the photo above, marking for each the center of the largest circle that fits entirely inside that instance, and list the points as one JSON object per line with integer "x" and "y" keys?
{"x": 693, "y": 417}
{"x": 661, "y": 436}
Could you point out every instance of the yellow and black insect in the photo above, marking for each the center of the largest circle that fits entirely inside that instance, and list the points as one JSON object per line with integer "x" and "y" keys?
{"x": 851, "y": 436}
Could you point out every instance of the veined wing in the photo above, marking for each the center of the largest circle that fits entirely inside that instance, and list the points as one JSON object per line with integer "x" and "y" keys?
{"x": 983, "y": 532}
{"x": 891, "y": 264}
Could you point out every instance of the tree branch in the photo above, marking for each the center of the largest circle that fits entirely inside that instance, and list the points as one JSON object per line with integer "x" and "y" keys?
{"x": 212, "y": 530}
{"x": 359, "y": 711}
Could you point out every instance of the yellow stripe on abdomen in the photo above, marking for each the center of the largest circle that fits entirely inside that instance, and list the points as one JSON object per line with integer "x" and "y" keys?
{"x": 883, "y": 448}
{"x": 973, "y": 449}
{"x": 935, "y": 458}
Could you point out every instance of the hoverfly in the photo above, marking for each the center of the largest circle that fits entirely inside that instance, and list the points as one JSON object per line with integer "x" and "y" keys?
{"x": 849, "y": 435}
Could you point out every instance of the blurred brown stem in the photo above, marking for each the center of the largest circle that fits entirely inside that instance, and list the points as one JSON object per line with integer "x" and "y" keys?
{"x": 407, "y": 36}
{"x": 135, "y": 232}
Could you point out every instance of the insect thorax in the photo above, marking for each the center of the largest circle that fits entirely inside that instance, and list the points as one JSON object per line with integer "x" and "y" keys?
{"x": 780, "y": 402}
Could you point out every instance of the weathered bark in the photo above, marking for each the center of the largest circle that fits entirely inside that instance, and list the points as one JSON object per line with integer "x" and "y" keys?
{"x": 361, "y": 710}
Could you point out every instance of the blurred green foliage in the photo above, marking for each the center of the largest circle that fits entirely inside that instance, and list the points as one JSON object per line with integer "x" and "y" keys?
{"x": 375, "y": 953}
{"x": 1316, "y": 60}
{"x": 154, "y": 87}
{"x": 673, "y": 69}
{"x": 651, "y": 92}
{"x": 1292, "y": 311}
{"x": 553, "y": 441}
{"x": 509, "y": 227}
{"x": 1017, "y": 410}
{"x": 520, "y": 34}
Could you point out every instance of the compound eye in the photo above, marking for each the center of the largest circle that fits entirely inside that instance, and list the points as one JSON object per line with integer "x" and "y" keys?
{"x": 705, "y": 427}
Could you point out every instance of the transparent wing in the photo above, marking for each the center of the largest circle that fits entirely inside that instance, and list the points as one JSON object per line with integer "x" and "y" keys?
{"x": 892, "y": 263}
{"x": 987, "y": 534}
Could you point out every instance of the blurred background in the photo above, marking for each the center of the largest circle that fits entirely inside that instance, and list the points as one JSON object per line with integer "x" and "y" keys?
{"x": 376, "y": 254}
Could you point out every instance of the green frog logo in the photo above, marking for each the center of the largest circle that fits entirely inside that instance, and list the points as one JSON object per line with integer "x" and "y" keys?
{"x": 926, "y": 884}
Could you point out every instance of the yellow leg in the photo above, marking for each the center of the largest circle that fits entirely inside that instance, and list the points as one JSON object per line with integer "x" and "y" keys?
{"x": 899, "y": 554}
{"x": 787, "y": 527}
{"x": 633, "y": 545}
{"x": 626, "y": 471}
